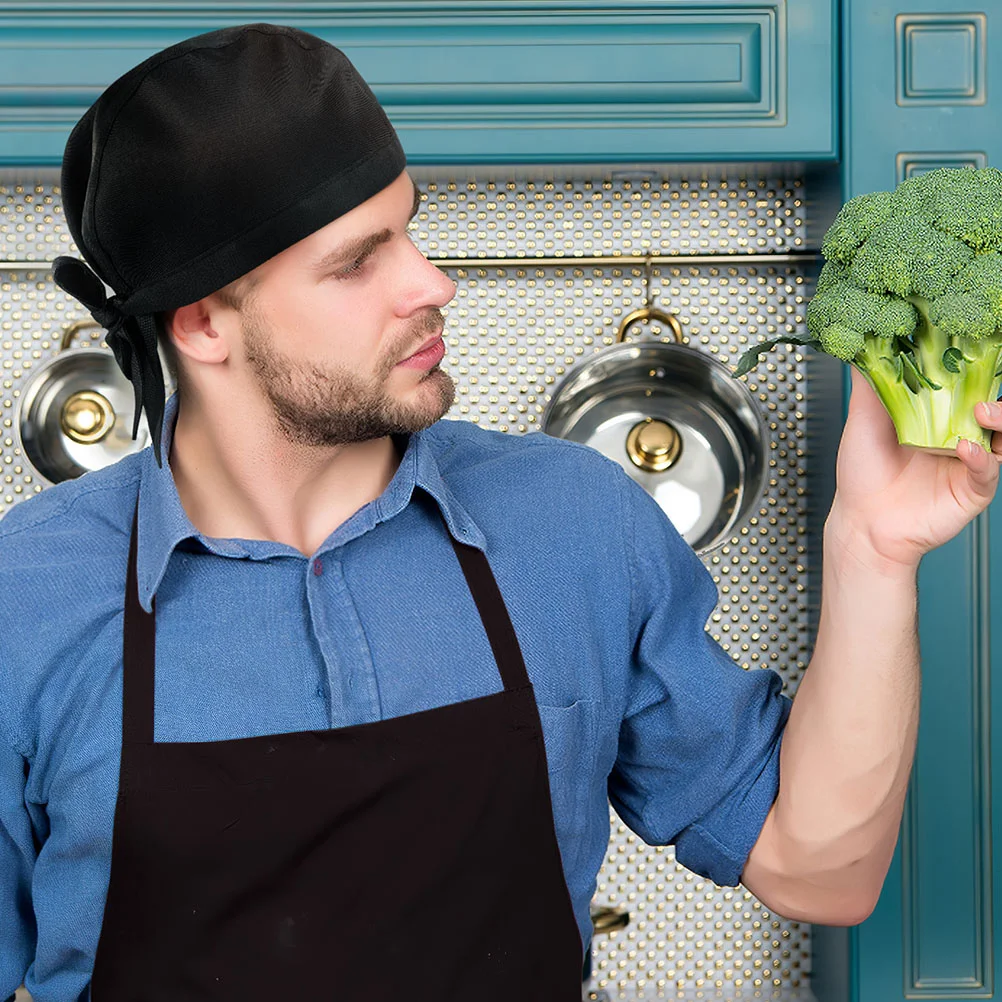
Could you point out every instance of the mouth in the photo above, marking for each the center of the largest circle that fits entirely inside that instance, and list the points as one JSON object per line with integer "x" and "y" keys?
{"x": 428, "y": 355}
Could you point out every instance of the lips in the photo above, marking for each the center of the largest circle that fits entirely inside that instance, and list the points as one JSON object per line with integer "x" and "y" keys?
{"x": 428, "y": 355}
{"x": 431, "y": 341}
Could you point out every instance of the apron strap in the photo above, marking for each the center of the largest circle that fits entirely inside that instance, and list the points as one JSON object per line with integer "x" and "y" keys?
{"x": 494, "y": 614}
{"x": 138, "y": 655}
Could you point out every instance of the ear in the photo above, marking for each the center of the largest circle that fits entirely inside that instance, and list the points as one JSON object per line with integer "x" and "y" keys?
{"x": 200, "y": 331}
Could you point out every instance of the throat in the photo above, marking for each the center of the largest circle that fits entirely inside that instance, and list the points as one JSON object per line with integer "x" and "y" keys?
{"x": 296, "y": 496}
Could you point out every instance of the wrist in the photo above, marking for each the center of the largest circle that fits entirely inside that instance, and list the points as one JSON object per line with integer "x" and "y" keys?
{"x": 849, "y": 547}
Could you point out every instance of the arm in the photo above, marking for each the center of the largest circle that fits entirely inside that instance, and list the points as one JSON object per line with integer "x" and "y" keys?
{"x": 847, "y": 751}
{"x": 17, "y": 857}
{"x": 697, "y": 760}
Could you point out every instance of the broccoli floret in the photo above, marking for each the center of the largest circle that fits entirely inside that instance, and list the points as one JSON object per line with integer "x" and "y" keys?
{"x": 856, "y": 220}
{"x": 967, "y": 204}
{"x": 984, "y": 275}
{"x": 905, "y": 254}
{"x": 831, "y": 274}
{"x": 867, "y": 313}
{"x": 911, "y": 294}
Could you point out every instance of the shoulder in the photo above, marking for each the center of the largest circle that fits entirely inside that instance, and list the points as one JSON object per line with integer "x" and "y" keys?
{"x": 536, "y": 474}
{"x": 535, "y": 494}
{"x": 63, "y": 557}
{"x": 71, "y": 520}
{"x": 535, "y": 462}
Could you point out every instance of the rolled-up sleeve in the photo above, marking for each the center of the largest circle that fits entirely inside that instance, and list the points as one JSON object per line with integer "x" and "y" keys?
{"x": 17, "y": 859}
{"x": 698, "y": 759}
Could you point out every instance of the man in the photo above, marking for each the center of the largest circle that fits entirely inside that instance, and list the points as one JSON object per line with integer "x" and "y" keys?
{"x": 337, "y": 707}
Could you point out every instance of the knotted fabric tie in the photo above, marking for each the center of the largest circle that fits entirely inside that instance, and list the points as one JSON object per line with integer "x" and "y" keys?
{"x": 133, "y": 340}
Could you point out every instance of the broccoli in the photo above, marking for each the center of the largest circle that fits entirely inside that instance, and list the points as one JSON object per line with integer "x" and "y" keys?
{"x": 911, "y": 294}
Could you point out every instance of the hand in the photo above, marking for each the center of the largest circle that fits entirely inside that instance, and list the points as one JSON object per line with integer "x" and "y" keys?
{"x": 894, "y": 503}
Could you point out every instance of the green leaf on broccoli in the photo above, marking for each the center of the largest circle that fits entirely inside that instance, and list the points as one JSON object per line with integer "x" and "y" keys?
{"x": 750, "y": 358}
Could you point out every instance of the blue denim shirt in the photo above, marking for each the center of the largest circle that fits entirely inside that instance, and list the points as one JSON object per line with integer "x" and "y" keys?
{"x": 638, "y": 704}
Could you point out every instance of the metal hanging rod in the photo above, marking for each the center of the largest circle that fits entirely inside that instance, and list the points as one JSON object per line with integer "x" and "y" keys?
{"x": 614, "y": 260}
{"x": 25, "y": 265}
{"x": 624, "y": 260}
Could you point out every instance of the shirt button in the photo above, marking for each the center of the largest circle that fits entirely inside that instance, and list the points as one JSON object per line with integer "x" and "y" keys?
{"x": 318, "y": 568}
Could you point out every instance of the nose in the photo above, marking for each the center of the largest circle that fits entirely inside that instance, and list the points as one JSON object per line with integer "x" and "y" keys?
{"x": 425, "y": 285}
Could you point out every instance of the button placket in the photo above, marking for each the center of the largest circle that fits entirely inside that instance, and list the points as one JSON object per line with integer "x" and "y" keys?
{"x": 328, "y": 689}
{"x": 343, "y": 644}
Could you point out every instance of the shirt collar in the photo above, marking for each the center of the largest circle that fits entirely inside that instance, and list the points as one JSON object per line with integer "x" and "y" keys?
{"x": 164, "y": 524}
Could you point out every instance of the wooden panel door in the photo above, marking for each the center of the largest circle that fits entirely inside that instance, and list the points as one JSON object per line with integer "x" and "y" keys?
{"x": 923, "y": 89}
{"x": 468, "y": 81}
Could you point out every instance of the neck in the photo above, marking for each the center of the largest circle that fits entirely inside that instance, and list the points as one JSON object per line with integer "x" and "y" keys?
{"x": 239, "y": 477}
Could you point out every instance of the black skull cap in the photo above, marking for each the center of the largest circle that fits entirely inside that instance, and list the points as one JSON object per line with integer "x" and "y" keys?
{"x": 216, "y": 154}
{"x": 203, "y": 162}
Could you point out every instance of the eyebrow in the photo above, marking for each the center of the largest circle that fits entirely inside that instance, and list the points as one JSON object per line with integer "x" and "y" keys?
{"x": 362, "y": 247}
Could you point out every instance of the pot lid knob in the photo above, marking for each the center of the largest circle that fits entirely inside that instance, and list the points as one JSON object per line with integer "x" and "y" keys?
{"x": 653, "y": 445}
{"x": 87, "y": 417}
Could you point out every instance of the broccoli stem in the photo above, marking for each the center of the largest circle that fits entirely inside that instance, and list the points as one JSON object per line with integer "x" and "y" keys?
{"x": 926, "y": 417}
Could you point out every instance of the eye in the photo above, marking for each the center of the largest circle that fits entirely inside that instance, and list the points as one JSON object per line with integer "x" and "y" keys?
{"x": 353, "y": 269}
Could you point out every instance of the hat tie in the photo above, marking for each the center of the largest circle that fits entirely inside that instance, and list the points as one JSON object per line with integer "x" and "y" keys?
{"x": 132, "y": 339}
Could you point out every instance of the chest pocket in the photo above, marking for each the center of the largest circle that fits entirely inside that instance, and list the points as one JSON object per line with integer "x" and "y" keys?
{"x": 570, "y": 734}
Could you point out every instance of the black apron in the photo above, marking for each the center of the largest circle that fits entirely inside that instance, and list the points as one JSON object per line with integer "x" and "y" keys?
{"x": 411, "y": 858}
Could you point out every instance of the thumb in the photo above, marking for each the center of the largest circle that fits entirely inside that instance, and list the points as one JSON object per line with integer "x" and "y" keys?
{"x": 866, "y": 408}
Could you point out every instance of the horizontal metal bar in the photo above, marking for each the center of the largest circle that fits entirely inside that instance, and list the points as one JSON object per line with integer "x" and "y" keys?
{"x": 624, "y": 260}
{"x": 25, "y": 265}
{"x": 602, "y": 260}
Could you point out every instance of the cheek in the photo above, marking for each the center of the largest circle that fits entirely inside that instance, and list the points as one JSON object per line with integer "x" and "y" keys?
{"x": 337, "y": 324}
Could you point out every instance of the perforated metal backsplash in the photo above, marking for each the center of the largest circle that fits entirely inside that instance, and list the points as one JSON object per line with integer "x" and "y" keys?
{"x": 512, "y": 333}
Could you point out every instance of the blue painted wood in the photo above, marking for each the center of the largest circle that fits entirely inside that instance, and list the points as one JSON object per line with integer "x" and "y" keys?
{"x": 886, "y": 117}
{"x": 931, "y": 935}
{"x": 942, "y": 59}
{"x": 522, "y": 81}
{"x": 919, "y": 93}
{"x": 946, "y": 868}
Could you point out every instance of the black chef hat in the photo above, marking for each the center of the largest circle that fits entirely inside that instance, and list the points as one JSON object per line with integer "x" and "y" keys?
{"x": 203, "y": 162}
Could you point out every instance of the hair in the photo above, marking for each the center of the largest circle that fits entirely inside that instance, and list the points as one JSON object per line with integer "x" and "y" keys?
{"x": 167, "y": 349}
{"x": 236, "y": 294}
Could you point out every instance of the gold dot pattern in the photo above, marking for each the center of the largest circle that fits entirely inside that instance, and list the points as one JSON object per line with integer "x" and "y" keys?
{"x": 511, "y": 334}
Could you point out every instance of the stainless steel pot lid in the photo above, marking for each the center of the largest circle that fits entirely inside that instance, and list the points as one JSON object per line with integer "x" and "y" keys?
{"x": 679, "y": 425}
{"x": 75, "y": 414}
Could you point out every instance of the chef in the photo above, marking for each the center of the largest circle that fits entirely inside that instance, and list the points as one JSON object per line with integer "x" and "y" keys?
{"x": 321, "y": 697}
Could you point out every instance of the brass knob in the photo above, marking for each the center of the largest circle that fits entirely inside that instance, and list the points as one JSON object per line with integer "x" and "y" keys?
{"x": 653, "y": 445}
{"x": 87, "y": 417}
{"x": 606, "y": 920}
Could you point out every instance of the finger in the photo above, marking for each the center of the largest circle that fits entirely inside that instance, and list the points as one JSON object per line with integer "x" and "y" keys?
{"x": 863, "y": 396}
{"x": 866, "y": 406}
{"x": 982, "y": 471}
{"x": 989, "y": 415}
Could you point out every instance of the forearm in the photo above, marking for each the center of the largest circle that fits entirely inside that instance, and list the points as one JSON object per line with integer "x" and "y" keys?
{"x": 849, "y": 743}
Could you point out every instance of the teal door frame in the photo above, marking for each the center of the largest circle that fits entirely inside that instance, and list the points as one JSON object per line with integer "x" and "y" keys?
{"x": 920, "y": 92}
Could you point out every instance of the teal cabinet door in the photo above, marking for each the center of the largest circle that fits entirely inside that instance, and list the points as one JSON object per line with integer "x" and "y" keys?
{"x": 520, "y": 81}
{"x": 921, "y": 92}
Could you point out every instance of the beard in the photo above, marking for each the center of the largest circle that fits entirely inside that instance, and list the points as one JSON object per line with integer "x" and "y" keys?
{"x": 327, "y": 405}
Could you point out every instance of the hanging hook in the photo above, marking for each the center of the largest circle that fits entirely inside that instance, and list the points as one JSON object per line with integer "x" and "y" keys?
{"x": 649, "y": 311}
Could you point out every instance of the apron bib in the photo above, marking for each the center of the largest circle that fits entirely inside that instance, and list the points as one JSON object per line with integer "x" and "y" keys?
{"x": 410, "y": 858}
